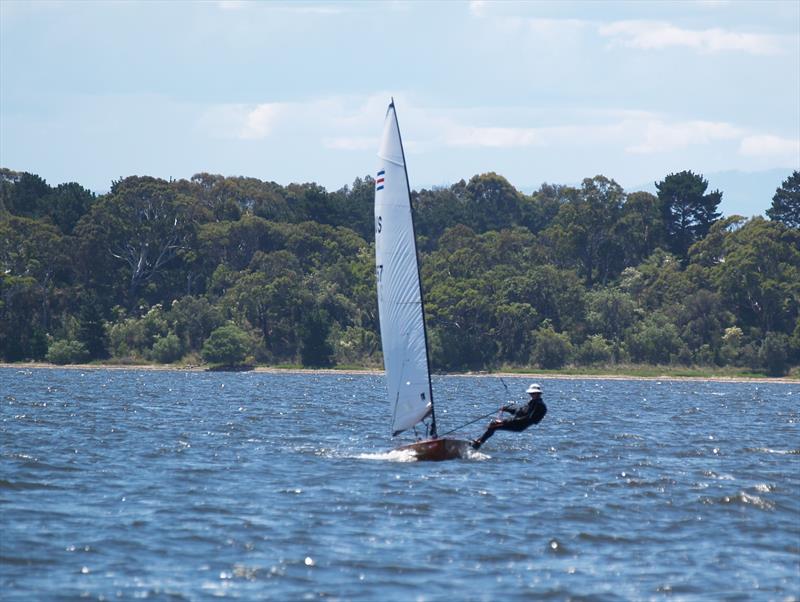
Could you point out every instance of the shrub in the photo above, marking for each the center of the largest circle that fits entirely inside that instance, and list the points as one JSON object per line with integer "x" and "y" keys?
{"x": 594, "y": 350}
{"x": 551, "y": 349}
{"x": 67, "y": 352}
{"x": 774, "y": 353}
{"x": 655, "y": 341}
{"x": 167, "y": 349}
{"x": 227, "y": 345}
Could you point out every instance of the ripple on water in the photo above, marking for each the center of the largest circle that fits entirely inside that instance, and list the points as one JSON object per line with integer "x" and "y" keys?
{"x": 189, "y": 485}
{"x": 741, "y": 498}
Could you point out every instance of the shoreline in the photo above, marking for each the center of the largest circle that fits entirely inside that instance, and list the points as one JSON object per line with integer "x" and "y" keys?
{"x": 377, "y": 371}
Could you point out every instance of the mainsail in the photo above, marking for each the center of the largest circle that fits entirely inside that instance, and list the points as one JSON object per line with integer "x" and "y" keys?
{"x": 403, "y": 335}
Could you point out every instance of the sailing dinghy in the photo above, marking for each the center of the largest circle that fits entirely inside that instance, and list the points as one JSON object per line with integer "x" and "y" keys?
{"x": 400, "y": 305}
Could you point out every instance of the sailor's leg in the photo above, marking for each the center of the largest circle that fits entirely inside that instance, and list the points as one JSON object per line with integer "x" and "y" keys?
{"x": 489, "y": 432}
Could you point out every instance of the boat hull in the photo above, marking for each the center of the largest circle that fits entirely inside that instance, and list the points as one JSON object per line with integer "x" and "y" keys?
{"x": 436, "y": 450}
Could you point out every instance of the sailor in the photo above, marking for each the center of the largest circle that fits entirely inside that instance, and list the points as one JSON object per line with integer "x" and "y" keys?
{"x": 521, "y": 416}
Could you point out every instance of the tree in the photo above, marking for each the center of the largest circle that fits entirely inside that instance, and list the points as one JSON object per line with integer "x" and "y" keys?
{"x": 551, "y": 349}
{"x": 774, "y": 353}
{"x": 315, "y": 348}
{"x": 67, "y": 352}
{"x": 610, "y": 313}
{"x": 584, "y": 233}
{"x": 167, "y": 349}
{"x": 654, "y": 340}
{"x": 91, "y": 332}
{"x": 23, "y": 193}
{"x": 34, "y": 249}
{"x": 595, "y": 350}
{"x": 66, "y": 204}
{"x": 687, "y": 211}
{"x": 640, "y": 228}
{"x": 227, "y": 345}
{"x": 786, "y": 202}
{"x": 21, "y": 334}
{"x": 493, "y": 203}
{"x": 759, "y": 278}
{"x": 144, "y": 223}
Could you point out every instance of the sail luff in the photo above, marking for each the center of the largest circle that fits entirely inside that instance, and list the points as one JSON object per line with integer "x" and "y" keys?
{"x": 403, "y": 332}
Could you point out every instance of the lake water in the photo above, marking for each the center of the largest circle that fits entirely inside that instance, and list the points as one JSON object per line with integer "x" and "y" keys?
{"x": 189, "y": 485}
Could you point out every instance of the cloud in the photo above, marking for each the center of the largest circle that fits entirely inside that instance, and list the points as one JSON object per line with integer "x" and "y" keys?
{"x": 638, "y": 34}
{"x": 657, "y": 35}
{"x": 260, "y": 121}
{"x": 340, "y": 122}
{"x": 353, "y": 143}
{"x": 494, "y": 137}
{"x": 349, "y": 126}
{"x": 771, "y": 147}
{"x": 478, "y": 7}
{"x": 245, "y": 122}
{"x": 661, "y": 136}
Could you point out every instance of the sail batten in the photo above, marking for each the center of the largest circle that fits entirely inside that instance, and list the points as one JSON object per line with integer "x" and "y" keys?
{"x": 400, "y": 304}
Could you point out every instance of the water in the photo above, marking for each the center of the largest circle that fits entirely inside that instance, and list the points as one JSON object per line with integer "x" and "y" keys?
{"x": 189, "y": 485}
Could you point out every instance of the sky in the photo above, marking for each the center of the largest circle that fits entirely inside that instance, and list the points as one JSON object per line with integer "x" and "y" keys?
{"x": 297, "y": 92}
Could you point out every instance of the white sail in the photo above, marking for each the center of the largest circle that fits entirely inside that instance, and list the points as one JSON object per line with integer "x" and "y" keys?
{"x": 405, "y": 353}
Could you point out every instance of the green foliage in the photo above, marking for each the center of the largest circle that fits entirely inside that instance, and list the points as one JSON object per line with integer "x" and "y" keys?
{"x": 92, "y": 332}
{"x": 594, "y": 350}
{"x": 316, "y": 350}
{"x": 774, "y": 353}
{"x": 786, "y": 202}
{"x": 687, "y": 211}
{"x": 654, "y": 340}
{"x": 551, "y": 349}
{"x": 586, "y": 233}
{"x": 228, "y": 345}
{"x": 167, "y": 349}
{"x": 243, "y": 268}
{"x": 67, "y": 352}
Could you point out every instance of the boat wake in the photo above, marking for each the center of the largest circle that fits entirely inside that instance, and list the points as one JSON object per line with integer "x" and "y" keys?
{"x": 407, "y": 455}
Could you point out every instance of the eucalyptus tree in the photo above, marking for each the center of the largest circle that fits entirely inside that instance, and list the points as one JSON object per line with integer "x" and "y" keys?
{"x": 760, "y": 275}
{"x": 584, "y": 233}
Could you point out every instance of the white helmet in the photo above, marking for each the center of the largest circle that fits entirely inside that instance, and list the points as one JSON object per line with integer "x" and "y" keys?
{"x": 534, "y": 388}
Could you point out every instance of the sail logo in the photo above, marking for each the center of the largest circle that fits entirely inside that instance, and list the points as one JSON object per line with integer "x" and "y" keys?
{"x": 379, "y": 180}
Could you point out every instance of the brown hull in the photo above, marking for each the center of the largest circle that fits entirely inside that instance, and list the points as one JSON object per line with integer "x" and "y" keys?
{"x": 436, "y": 450}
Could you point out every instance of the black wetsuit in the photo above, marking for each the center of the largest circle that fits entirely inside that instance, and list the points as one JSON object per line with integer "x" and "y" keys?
{"x": 522, "y": 418}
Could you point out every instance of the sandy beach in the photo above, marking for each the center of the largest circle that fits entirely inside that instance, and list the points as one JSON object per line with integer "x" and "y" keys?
{"x": 354, "y": 371}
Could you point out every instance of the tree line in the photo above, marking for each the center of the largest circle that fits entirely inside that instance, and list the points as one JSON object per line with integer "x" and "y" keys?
{"x": 233, "y": 269}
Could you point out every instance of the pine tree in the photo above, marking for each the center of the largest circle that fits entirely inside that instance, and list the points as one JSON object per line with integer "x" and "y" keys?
{"x": 786, "y": 202}
{"x": 688, "y": 212}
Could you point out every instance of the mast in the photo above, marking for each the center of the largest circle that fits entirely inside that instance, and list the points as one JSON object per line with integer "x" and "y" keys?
{"x": 433, "y": 432}
{"x": 404, "y": 335}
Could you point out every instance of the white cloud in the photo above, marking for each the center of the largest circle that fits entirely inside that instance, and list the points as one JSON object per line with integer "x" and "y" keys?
{"x": 773, "y": 147}
{"x": 656, "y": 35}
{"x": 245, "y": 122}
{"x": 349, "y": 126}
{"x": 337, "y": 122}
{"x": 260, "y": 121}
{"x": 353, "y": 143}
{"x": 495, "y": 137}
{"x": 660, "y": 136}
{"x": 478, "y": 7}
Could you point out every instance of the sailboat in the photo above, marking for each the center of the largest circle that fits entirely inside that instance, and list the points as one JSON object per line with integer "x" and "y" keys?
{"x": 401, "y": 310}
